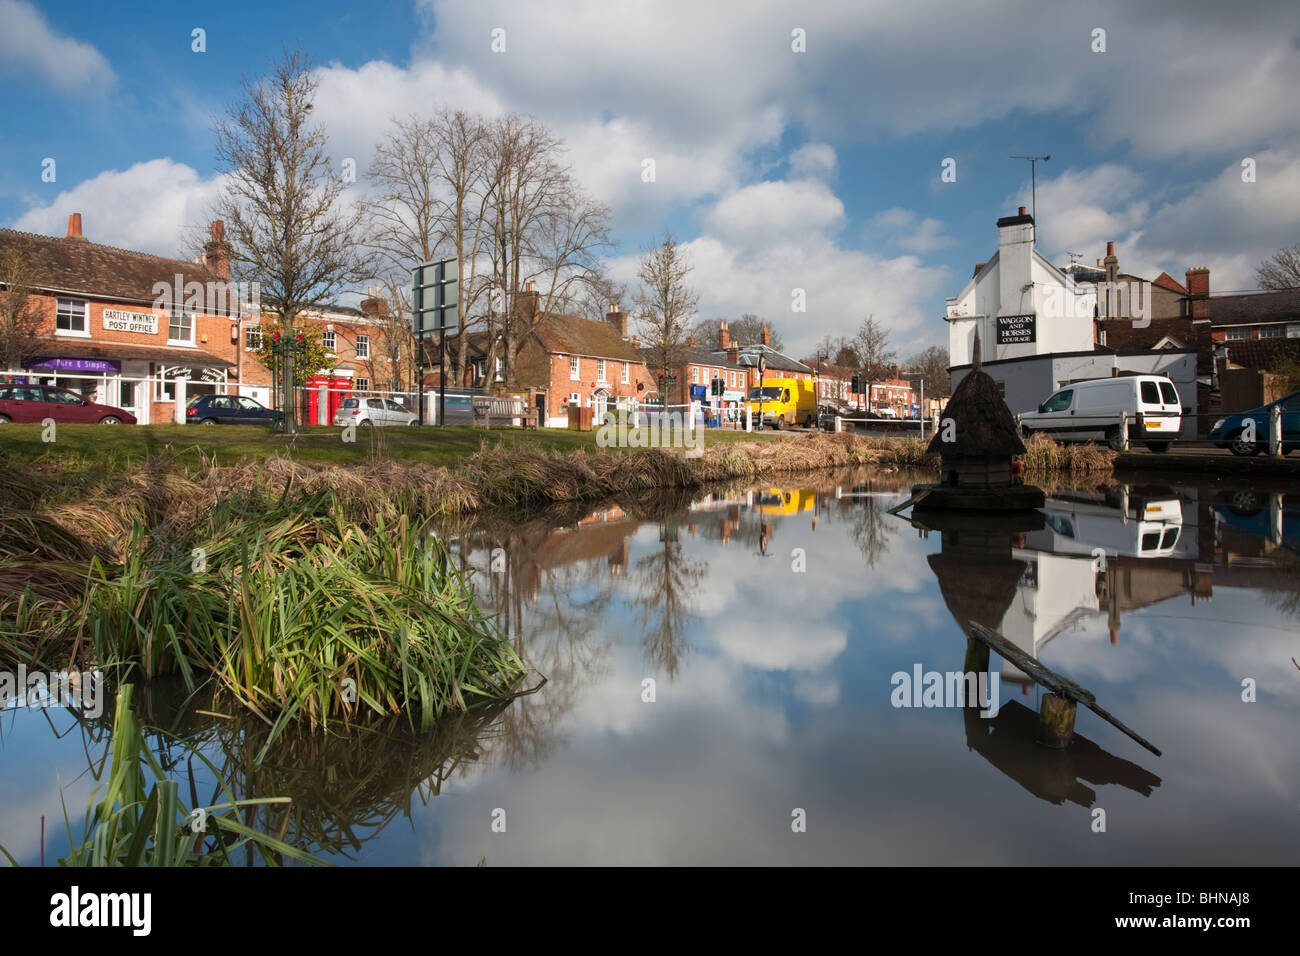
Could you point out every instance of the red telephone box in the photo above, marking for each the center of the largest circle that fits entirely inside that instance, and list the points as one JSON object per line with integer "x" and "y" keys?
{"x": 338, "y": 387}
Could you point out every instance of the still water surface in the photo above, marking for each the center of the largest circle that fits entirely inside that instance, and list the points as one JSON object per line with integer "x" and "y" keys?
{"x": 771, "y": 623}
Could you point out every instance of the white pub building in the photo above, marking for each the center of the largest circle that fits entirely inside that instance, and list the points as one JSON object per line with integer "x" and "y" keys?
{"x": 1038, "y": 327}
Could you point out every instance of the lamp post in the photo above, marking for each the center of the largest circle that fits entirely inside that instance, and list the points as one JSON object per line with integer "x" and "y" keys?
{"x": 762, "y": 367}
{"x": 284, "y": 349}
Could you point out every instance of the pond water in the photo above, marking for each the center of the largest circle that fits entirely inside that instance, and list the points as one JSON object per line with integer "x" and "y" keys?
{"x": 723, "y": 678}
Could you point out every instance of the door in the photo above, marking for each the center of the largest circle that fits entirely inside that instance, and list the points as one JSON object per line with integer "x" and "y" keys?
{"x": 397, "y": 413}
{"x": 218, "y": 407}
{"x": 1291, "y": 420}
{"x": 375, "y": 412}
{"x": 1055, "y": 416}
{"x": 251, "y": 412}
{"x": 25, "y": 403}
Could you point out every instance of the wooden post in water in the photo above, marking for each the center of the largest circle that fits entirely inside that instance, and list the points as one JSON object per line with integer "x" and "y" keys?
{"x": 1056, "y": 721}
{"x": 977, "y": 657}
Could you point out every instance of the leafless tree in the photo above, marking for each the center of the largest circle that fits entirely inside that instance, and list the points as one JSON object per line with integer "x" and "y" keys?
{"x": 746, "y": 330}
{"x": 591, "y": 299}
{"x": 872, "y": 345}
{"x": 932, "y": 364}
{"x": 1281, "y": 270}
{"x": 665, "y": 304}
{"x": 21, "y": 316}
{"x": 287, "y": 220}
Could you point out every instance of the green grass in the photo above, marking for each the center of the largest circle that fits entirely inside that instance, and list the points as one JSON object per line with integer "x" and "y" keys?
{"x": 97, "y": 446}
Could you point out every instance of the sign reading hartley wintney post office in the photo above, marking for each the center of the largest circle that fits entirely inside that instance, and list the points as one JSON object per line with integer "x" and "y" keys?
{"x": 1015, "y": 329}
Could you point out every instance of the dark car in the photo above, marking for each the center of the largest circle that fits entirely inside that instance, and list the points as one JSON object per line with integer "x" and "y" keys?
{"x": 228, "y": 410}
{"x": 1233, "y": 432}
{"x": 35, "y": 403}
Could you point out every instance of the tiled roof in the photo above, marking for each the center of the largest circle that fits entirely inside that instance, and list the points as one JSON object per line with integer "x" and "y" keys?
{"x": 1257, "y": 307}
{"x": 78, "y": 265}
{"x": 570, "y": 335}
{"x": 690, "y": 356}
{"x": 1166, "y": 281}
{"x": 1260, "y": 353}
{"x": 775, "y": 360}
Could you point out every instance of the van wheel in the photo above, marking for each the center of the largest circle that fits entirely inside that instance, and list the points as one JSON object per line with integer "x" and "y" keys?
{"x": 776, "y": 423}
{"x": 1159, "y": 447}
{"x": 1026, "y": 431}
{"x": 808, "y": 422}
{"x": 1114, "y": 440}
{"x": 1244, "y": 449}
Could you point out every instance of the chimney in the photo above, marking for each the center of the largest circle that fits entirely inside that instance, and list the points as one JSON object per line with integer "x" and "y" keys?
{"x": 733, "y": 353}
{"x": 636, "y": 341}
{"x": 1198, "y": 285}
{"x": 372, "y": 304}
{"x": 690, "y": 341}
{"x": 1015, "y": 258}
{"x": 216, "y": 254}
{"x": 1111, "y": 263}
{"x": 767, "y": 337}
{"x": 74, "y": 226}
{"x": 978, "y": 267}
{"x": 724, "y": 337}
{"x": 528, "y": 302}
{"x": 617, "y": 318}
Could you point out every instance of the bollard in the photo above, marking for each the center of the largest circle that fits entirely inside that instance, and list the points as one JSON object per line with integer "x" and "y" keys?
{"x": 1056, "y": 722}
{"x": 1275, "y": 431}
{"x": 839, "y": 424}
{"x": 1123, "y": 431}
{"x": 322, "y": 405}
{"x": 749, "y": 419}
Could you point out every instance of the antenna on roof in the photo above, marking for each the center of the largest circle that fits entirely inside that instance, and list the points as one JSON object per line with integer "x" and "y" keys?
{"x": 1075, "y": 257}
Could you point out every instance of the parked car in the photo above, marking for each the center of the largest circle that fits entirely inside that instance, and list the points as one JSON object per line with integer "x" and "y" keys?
{"x": 373, "y": 411}
{"x": 1090, "y": 411}
{"x": 35, "y": 403}
{"x": 1232, "y": 432}
{"x": 228, "y": 410}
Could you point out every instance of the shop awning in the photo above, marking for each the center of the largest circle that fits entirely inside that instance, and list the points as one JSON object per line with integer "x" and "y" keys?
{"x": 114, "y": 352}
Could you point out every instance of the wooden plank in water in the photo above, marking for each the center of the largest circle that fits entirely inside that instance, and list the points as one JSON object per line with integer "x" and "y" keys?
{"x": 1053, "y": 681}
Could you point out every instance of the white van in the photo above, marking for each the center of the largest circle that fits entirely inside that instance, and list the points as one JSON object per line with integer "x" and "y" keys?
{"x": 1089, "y": 411}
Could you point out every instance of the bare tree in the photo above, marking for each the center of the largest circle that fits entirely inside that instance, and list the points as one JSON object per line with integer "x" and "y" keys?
{"x": 287, "y": 221}
{"x": 21, "y": 316}
{"x": 665, "y": 303}
{"x": 746, "y": 330}
{"x": 932, "y": 364}
{"x": 591, "y": 299}
{"x": 543, "y": 229}
{"x": 1280, "y": 271}
{"x": 872, "y": 344}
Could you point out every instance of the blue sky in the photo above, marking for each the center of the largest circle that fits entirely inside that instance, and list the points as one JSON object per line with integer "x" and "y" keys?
{"x": 817, "y": 170}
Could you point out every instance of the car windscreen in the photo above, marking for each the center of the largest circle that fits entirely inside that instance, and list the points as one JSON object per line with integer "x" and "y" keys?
{"x": 768, "y": 394}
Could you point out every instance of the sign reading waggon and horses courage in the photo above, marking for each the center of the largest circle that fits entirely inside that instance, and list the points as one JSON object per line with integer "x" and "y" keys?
{"x": 1015, "y": 329}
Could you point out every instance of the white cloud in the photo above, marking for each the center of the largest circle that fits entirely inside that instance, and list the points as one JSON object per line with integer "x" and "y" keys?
{"x": 906, "y": 230}
{"x": 779, "y": 210}
{"x": 29, "y": 45}
{"x": 813, "y": 159}
{"x": 151, "y": 207}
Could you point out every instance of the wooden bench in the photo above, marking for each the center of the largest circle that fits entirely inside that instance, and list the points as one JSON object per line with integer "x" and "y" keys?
{"x": 502, "y": 410}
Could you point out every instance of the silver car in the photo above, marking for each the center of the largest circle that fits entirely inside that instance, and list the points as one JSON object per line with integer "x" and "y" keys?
{"x": 373, "y": 411}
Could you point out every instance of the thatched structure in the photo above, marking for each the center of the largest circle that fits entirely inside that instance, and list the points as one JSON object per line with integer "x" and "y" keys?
{"x": 983, "y": 435}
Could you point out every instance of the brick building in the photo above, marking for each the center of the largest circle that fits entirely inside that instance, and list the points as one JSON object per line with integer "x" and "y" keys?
{"x": 122, "y": 327}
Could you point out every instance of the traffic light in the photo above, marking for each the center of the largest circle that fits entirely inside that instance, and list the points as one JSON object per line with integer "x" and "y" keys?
{"x": 717, "y": 386}
{"x": 856, "y": 386}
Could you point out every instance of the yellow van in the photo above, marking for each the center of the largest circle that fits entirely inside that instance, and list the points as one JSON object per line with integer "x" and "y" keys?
{"x": 785, "y": 402}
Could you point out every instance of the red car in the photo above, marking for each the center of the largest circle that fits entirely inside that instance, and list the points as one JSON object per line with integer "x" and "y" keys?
{"x": 35, "y": 403}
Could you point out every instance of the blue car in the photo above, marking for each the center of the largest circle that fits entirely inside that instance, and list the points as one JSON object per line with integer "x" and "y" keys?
{"x": 1233, "y": 432}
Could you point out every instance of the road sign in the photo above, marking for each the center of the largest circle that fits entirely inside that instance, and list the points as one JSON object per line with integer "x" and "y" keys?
{"x": 434, "y": 297}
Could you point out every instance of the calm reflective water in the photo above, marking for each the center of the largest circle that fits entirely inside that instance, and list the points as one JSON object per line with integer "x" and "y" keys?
{"x": 771, "y": 623}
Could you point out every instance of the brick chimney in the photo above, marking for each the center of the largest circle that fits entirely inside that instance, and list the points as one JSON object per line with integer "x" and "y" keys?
{"x": 978, "y": 267}
{"x": 724, "y": 337}
{"x": 528, "y": 301}
{"x": 733, "y": 353}
{"x": 1198, "y": 285}
{"x": 767, "y": 337}
{"x": 636, "y": 341}
{"x": 372, "y": 304}
{"x": 216, "y": 254}
{"x": 690, "y": 341}
{"x": 617, "y": 318}
{"x": 74, "y": 226}
{"x": 1111, "y": 263}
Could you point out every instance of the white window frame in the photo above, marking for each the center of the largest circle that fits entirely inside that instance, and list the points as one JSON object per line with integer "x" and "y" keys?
{"x": 573, "y": 368}
{"x": 627, "y": 373}
{"x": 1272, "y": 331}
{"x": 499, "y": 364}
{"x": 363, "y": 346}
{"x": 1238, "y": 333}
{"x": 172, "y": 315}
{"x": 575, "y": 399}
{"x": 329, "y": 341}
{"x": 84, "y": 331}
{"x": 600, "y": 372}
{"x": 252, "y": 338}
{"x": 361, "y": 384}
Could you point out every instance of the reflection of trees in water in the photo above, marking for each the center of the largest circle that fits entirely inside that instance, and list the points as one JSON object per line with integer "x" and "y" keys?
{"x": 666, "y": 584}
{"x": 554, "y": 615}
{"x": 346, "y": 787}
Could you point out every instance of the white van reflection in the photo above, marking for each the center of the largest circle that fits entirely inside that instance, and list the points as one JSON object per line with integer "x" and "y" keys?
{"x": 1118, "y": 523}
